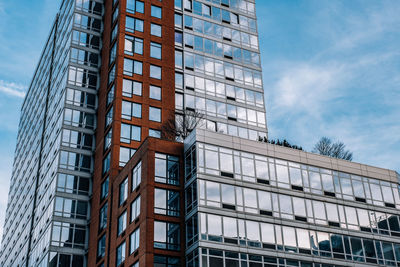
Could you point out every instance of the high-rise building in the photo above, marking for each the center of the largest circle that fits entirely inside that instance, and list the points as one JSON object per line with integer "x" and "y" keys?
{"x": 47, "y": 213}
{"x": 97, "y": 180}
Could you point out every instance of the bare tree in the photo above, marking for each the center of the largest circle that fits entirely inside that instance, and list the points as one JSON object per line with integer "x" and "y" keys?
{"x": 183, "y": 124}
{"x": 336, "y": 150}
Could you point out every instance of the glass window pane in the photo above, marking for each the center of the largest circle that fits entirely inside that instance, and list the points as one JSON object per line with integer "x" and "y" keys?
{"x": 160, "y": 232}
{"x": 212, "y": 159}
{"x": 289, "y": 236}
{"x": 214, "y": 225}
{"x": 248, "y": 167}
{"x": 228, "y": 194}
{"x": 268, "y": 233}
{"x": 213, "y": 191}
{"x": 253, "y": 231}
{"x": 226, "y": 162}
{"x": 285, "y": 204}
{"x": 155, "y": 92}
{"x": 282, "y": 173}
{"x": 230, "y": 227}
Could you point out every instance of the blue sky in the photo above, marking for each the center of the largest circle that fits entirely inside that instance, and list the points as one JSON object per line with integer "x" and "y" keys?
{"x": 330, "y": 68}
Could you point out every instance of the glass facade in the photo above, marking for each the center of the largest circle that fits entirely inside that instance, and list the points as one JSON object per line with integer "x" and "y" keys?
{"x": 218, "y": 67}
{"x": 51, "y": 181}
{"x": 238, "y": 199}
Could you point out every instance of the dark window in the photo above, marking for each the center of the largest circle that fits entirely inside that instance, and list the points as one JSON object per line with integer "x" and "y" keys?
{"x": 166, "y": 169}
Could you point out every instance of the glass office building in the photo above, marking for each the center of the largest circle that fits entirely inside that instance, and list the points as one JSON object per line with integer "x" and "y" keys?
{"x": 255, "y": 204}
{"x": 97, "y": 180}
{"x": 48, "y": 206}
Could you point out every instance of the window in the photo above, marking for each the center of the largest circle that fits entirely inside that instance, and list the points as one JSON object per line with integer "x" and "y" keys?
{"x": 133, "y": 45}
{"x": 132, "y": 67}
{"x": 103, "y": 217}
{"x": 134, "y": 241}
{"x": 104, "y": 189}
{"x": 154, "y": 133}
{"x": 113, "y": 53}
{"x": 82, "y": 77}
{"x": 123, "y": 191}
{"x": 130, "y": 133}
{"x": 178, "y": 80}
{"x": 87, "y": 23}
{"x": 86, "y": 58}
{"x": 178, "y": 20}
{"x": 189, "y": 22}
{"x": 114, "y": 32}
{"x": 85, "y": 39}
{"x": 206, "y": 11}
{"x": 178, "y": 4}
{"x": 155, "y": 92}
{"x": 178, "y": 38}
{"x": 197, "y": 7}
{"x": 121, "y": 223}
{"x": 132, "y": 25}
{"x": 130, "y": 110}
{"x": 68, "y": 235}
{"x": 76, "y": 139}
{"x": 188, "y": 5}
{"x": 154, "y": 114}
{"x": 156, "y": 11}
{"x": 155, "y": 50}
{"x": 110, "y": 96}
{"x": 125, "y": 154}
{"x": 155, "y": 72}
{"x": 107, "y": 140}
{"x": 226, "y": 16}
{"x": 109, "y": 117}
{"x": 121, "y": 250}
{"x": 130, "y": 88}
{"x": 101, "y": 247}
{"x": 135, "y": 209}
{"x": 70, "y": 208}
{"x": 189, "y": 61}
{"x": 155, "y": 29}
{"x": 133, "y": 6}
{"x": 166, "y": 169}
{"x": 166, "y": 202}
{"x": 106, "y": 163}
{"x": 136, "y": 176}
{"x": 166, "y": 261}
{"x": 72, "y": 184}
{"x": 178, "y": 101}
{"x": 178, "y": 59}
{"x": 166, "y": 235}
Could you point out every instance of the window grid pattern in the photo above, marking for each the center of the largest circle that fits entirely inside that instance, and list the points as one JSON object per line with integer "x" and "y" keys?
{"x": 254, "y": 234}
{"x": 249, "y": 167}
{"x": 283, "y": 206}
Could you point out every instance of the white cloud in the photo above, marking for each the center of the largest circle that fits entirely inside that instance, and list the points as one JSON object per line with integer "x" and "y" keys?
{"x": 12, "y": 89}
{"x": 305, "y": 87}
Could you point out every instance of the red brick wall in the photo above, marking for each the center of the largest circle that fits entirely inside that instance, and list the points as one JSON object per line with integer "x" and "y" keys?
{"x": 146, "y": 154}
{"x": 167, "y": 104}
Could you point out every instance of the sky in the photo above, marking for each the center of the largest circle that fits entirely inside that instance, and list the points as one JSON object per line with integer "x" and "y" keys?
{"x": 330, "y": 68}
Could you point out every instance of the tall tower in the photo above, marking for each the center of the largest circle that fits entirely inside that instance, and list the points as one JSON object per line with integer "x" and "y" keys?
{"x": 157, "y": 59}
{"x": 48, "y": 207}
{"x": 164, "y": 60}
